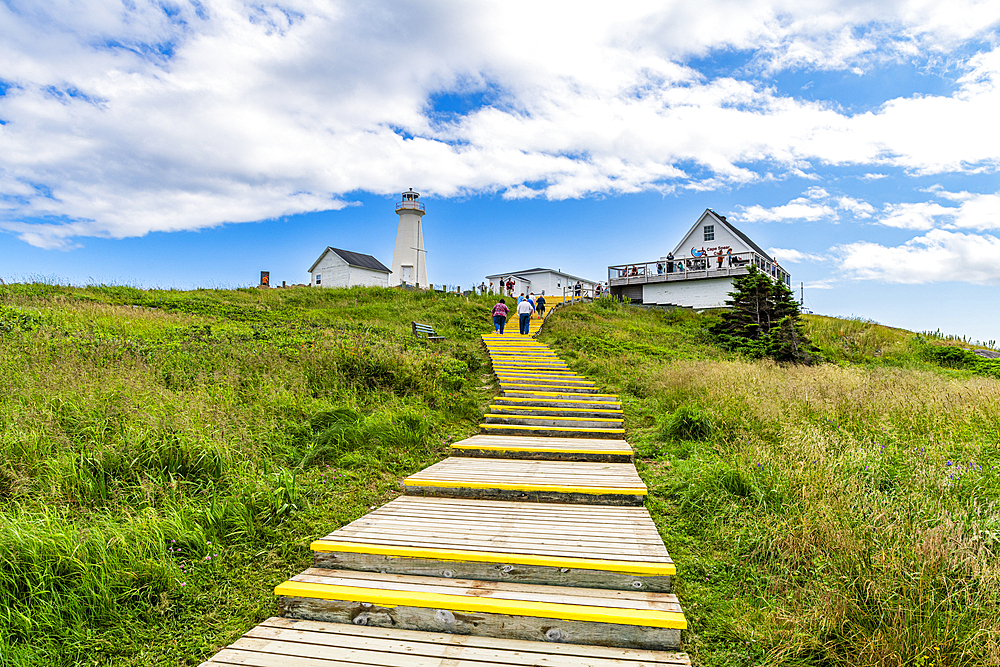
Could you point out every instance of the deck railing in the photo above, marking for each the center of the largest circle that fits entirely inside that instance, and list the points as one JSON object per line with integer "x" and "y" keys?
{"x": 410, "y": 204}
{"x": 694, "y": 268}
{"x": 571, "y": 293}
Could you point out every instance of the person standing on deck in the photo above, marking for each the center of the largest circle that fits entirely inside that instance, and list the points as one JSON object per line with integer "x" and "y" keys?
{"x": 500, "y": 313}
{"x": 524, "y": 310}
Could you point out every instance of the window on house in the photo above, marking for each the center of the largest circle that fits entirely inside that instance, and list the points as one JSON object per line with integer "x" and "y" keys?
{"x": 709, "y": 232}
{"x": 319, "y": 278}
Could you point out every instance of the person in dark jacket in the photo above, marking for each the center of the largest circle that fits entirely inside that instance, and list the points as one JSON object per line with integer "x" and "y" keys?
{"x": 540, "y": 306}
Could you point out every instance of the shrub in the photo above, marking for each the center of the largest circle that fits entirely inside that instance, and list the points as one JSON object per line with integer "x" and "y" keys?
{"x": 688, "y": 422}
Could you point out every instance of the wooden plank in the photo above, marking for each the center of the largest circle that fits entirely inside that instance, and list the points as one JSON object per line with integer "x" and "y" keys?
{"x": 620, "y": 558}
{"x": 303, "y": 643}
{"x": 530, "y": 529}
{"x": 561, "y": 394}
{"x": 409, "y": 616}
{"x": 634, "y": 547}
{"x": 555, "y": 419}
{"x": 540, "y": 496}
{"x": 552, "y": 444}
{"x": 595, "y": 411}
{"x": 511, "y": 533}
{"x": 628, "y": 607}
{"x": 556, "y": 431}
{"x": 598, "y": 600}
{"x": 515, "y": 475}
{"x": 538, "y": 575}
{"x": 494, "y": 510}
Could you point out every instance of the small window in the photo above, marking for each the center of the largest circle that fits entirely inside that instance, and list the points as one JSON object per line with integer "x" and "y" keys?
{"x": 319, "y": 278}
{"x": 709, "y": 232}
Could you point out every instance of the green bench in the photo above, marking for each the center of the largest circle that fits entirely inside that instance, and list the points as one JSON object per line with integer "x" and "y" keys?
{"x": 425, "y": 332}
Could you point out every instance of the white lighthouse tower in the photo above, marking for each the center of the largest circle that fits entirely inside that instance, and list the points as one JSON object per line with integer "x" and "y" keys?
{"x": 408, "y": 263}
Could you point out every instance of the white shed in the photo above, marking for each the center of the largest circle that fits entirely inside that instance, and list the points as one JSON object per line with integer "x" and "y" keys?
{"x": 343, "y": 268}
{"x": 548, "y": 282}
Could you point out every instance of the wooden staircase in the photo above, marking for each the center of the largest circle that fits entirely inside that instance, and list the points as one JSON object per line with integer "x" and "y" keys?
{"x": 528, "y": 546}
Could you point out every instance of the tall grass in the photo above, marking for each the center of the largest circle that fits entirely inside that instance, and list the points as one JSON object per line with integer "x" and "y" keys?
{"x": 166, "y": 457}
{"x": 840, "y": 514}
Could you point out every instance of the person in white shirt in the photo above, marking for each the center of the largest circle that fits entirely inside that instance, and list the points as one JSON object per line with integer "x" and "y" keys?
{"x": 524, "y": 310}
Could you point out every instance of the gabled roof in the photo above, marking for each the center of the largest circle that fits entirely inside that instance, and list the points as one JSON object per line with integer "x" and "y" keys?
{"x": 721, "y": 219}
{"x": 353, "y": 259}
{"x": 518, "y": 274}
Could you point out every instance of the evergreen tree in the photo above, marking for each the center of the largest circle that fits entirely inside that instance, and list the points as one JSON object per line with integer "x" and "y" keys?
{"x": 786, "y": 341}
{"x": 763, "y": 320}
{"x": 750, "y": 308}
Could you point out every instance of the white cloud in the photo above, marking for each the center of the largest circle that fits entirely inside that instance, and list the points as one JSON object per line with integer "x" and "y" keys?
{"x": 937, "y": 256}
{"x": 980, "y": 211}
{"x": 123, "y": 118}
{"x": 797, "y": 210}
{"x": 794, "y": 256}
{"x": 921, "y": 216}
{"x": 857, "y": 208}
{"x": 874, "y": 177}
{"x": 815, "y": 204}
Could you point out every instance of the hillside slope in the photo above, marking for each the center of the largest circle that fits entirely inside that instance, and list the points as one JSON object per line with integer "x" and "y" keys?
{"x": 165, "y": 456}
{"x": 838, "y": 514}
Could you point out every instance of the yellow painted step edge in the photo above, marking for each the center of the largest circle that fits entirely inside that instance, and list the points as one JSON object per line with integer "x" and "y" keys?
{"x": 554, "y": 428}
{"x": 528, "y": 375}
{"x": 561, "y": 372}
{"x": 515, "y": 398}
{"x": 547, "y": 386}
{"x": 548, "y": 379}
{"x": 559, "y": 393}
{"x": 503, "y": 486}
{"x": 542, "y": 407}
{"x": 484, "y": 605}
{"x": 551, "y": 418}
{"x": 502, "y": 448}
{"x": 637, "y": 568}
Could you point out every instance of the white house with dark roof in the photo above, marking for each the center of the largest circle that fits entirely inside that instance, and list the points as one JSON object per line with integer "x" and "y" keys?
{"x": 343, "y": 268}
{"x": 699, "y": 272}
{"x": 540, "y": 281}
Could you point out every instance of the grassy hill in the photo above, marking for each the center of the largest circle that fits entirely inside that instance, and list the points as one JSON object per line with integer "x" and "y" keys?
{"x": 838, "y": 514}
{"x": 166, "y": 457}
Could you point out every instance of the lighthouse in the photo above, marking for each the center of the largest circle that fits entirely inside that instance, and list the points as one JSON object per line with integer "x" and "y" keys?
{"x": 408, "y": 262}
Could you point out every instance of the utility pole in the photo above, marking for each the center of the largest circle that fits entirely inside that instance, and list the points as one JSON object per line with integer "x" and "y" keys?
{"x": 419, "y": 250}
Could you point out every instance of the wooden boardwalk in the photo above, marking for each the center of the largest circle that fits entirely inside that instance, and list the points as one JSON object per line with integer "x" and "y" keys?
{"x": 298, "y": 643}
{"x": 528, "y": 546}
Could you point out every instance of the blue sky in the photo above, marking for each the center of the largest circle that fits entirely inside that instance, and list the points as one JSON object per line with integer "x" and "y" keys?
{"x": 193, "y": 144}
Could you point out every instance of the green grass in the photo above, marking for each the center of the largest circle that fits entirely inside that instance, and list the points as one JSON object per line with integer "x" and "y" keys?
{"x": 166, "y": 457}
{"x": 840, "y": 514}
